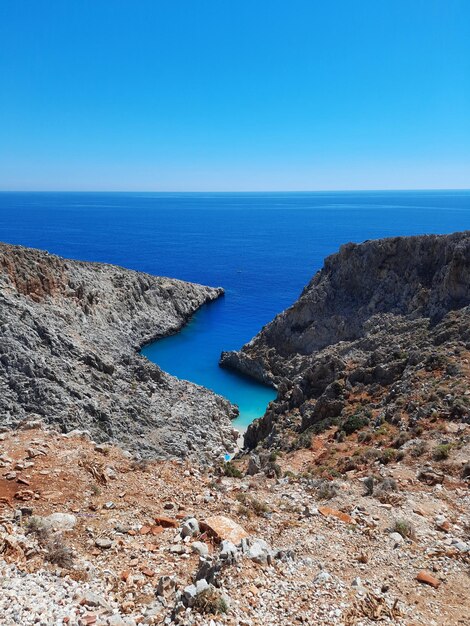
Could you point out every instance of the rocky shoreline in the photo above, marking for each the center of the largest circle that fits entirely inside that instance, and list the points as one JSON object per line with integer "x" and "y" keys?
{"x": 70, "y": 334}
{"x": 370, "y": 320}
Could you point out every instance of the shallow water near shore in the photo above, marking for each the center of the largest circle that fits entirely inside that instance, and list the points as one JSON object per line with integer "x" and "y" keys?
{"x": 261, "y": 247}
{"x": 194, "y": 353}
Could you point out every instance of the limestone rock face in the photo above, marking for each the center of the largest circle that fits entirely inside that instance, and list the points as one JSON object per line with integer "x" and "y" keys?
{"x": 70, "y": 334}
{"x": 369, "y": 307}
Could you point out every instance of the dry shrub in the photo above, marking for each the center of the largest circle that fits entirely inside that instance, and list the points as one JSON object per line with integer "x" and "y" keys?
{"x": 404, "y": 528}
{"x": 373, "y": 607}
{"x": 210, "y": 601}
{"x": 326, "y": 489}
{"x": 56, "y": 550}
{"x": 250, "y": 505}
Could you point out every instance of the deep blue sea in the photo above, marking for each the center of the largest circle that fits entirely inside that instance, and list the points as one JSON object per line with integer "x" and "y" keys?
{"x": 261, "y": 247}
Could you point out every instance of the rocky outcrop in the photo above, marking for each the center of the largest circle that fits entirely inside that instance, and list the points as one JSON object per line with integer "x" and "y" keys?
{"x": 70, "y": 333}
{"x": 372, "y": 316}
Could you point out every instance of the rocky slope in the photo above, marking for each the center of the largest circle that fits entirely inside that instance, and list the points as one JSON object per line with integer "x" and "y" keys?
{"x": 352, "y": 349}
{"x": 357, "y": 513}
{"x": 87, "y": 536}
{"x": 69, "y": 338}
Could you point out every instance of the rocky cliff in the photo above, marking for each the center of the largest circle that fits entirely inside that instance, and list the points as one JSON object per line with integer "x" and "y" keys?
{"x": 370, "y": 320}
{"x": 70, "y": 334}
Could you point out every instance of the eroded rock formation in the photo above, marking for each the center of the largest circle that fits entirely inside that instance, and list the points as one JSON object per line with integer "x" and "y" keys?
{"x": 374, "y": 316}
{"x": 70, "y": 333}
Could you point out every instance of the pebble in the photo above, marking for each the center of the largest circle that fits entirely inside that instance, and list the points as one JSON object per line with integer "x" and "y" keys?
{"x": 396, "y": 539}
{"x": 44, "y": 599}
{"x": 94, "y": 600}
{"x": 428, "y": 579}
{"x": 103, "y": 542}
{"x": 200, "y": 548}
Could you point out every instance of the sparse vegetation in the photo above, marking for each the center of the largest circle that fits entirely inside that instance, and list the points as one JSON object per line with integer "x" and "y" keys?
{"x": 419, "y": 448}
{"x": 400, "y": 355}
{"x": 325, "y": 489}
{"x": 56, "y": 550}
{"x": 304, "y": 440}
{"x": 389, "y": 455}
{"x": 210, "y": 601}
{"x": 435, "y": 361}
{"x": 404, "y": 528}
{"x": 386, "y": 490}
{"x": 139, "y": 548}
{"x": 230, "y": 469}
{"x": 354, "y": 422}
{"x": 290, "y": 474}
{"x": 369, "y": 484}
{"x": 142, "y": 465}
{"x": 442, "y": 452}
{"x": 249, "y": 505}
{"x": 35, "y": 526}
{"x": 243, "y": 511}
{"x": 399, "y": 441}
{"x": 365, "y": 436}
{"x": 274, "y": 469}
{"x": 259, "y": 507}
{"x": 382, "y": 430}
{"x": 380, "y": 488}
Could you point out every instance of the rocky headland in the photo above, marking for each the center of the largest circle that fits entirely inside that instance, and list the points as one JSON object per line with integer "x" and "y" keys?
{"x": 70, "y": 334}
{"x": 381, "y": 334}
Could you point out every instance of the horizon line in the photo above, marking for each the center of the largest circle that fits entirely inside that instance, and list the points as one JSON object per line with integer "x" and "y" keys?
{"x": 189, "y": 191}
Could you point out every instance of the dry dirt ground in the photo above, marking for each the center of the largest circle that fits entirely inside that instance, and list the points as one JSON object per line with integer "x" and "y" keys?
{"x": 337, "y": 558}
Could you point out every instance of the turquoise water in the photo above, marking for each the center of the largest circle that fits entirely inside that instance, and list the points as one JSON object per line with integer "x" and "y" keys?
{"x": 261, "y": 247}
{"x": 180, "y": 355}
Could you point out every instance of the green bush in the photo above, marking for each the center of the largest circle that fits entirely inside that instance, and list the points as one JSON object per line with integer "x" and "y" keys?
{"x": 232, "y": 470}
{"x": 353, "y": 423}
{"x": 388, "y": 455}
{"x": 400, "y": 440}
{"x": 442, "y": 452}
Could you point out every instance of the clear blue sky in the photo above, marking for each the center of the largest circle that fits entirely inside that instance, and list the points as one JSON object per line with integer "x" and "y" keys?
{"x": 234, "y": 94}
